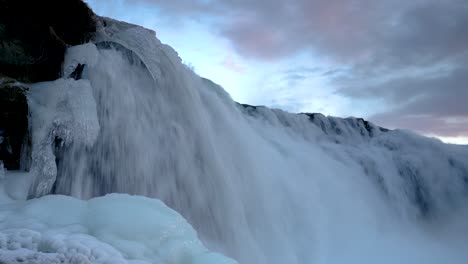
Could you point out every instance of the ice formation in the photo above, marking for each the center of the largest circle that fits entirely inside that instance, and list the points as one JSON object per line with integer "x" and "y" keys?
{"x": 259, "y": 185}
{"x": 63, "y": 113}
{"x": 114, "y": 229}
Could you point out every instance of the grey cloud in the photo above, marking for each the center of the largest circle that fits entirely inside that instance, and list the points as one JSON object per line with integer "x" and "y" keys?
{"x": 451, "y": 82}
{"x": 302, "y": 73}
{"x": 361, "y": 32}
{"x": 437, "y": 105}
{"x": 294, "y": 77}
{"x": 424, "y": 124}
{"x": 333, "y": 72}
{"x": 302, "y": 70}
{"x": 432, "y": 32}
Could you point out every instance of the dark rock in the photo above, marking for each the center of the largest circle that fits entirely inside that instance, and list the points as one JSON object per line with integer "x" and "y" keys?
{"x": 311, "y": 115}
{"x": 34, "y": 36}
{"x": 365, "y": 127}
{"x": 13, "y": 122}
{"x": 247, "y": 106}
{"x": 249, "y": 109}
{"x": 78, "y": 72}
{"x": 366, "y": 124}
{"x": 331, "y": 126}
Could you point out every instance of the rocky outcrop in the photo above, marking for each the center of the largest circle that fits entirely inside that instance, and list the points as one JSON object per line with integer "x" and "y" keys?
{"x": 34, "y": 36}
{"x": 329, "y": 125}
{"x": 334, "y": 127}
{"x": 13, "y": 122}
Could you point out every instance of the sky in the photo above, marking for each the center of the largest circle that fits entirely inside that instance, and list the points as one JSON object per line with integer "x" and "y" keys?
{"x": 398, "y": 63}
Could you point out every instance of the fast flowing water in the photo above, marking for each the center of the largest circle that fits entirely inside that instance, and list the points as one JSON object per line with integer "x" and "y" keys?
{"x": 260, "y": 185}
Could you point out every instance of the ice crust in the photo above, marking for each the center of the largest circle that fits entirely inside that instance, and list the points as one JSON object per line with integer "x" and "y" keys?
{"x": 113, "y": 229}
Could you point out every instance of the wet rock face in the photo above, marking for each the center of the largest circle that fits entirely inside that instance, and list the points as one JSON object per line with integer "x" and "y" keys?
{"x": 34, "y": 35}
{"x": 13, "y": 123}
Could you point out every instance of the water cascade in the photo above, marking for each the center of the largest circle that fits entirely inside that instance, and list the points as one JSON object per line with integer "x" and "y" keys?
{"x": 259, "y": 185}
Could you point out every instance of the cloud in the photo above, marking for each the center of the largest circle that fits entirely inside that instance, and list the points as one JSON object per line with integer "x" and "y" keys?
{"x": 368, "y": 34}
{"x": 303, "y": 70}
{"x": 296, "y": 75}
{"x": 231, "y": 64}
{"x": 344, "y": 29}
{"x": 431, "y": 105}
{"x": 425, "y": 124}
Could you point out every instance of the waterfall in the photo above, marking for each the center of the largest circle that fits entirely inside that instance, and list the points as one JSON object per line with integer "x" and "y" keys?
{"x": 259, "y": 185}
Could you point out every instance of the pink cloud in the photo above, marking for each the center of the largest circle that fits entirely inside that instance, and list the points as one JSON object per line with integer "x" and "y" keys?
{"x": 231, "y": 64}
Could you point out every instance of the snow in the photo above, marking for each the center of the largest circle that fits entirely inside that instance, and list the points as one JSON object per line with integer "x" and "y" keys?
{"x": 115, "y": 229}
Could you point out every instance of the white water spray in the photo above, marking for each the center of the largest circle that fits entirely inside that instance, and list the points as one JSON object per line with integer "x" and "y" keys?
{"x": 259, "y": 185}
